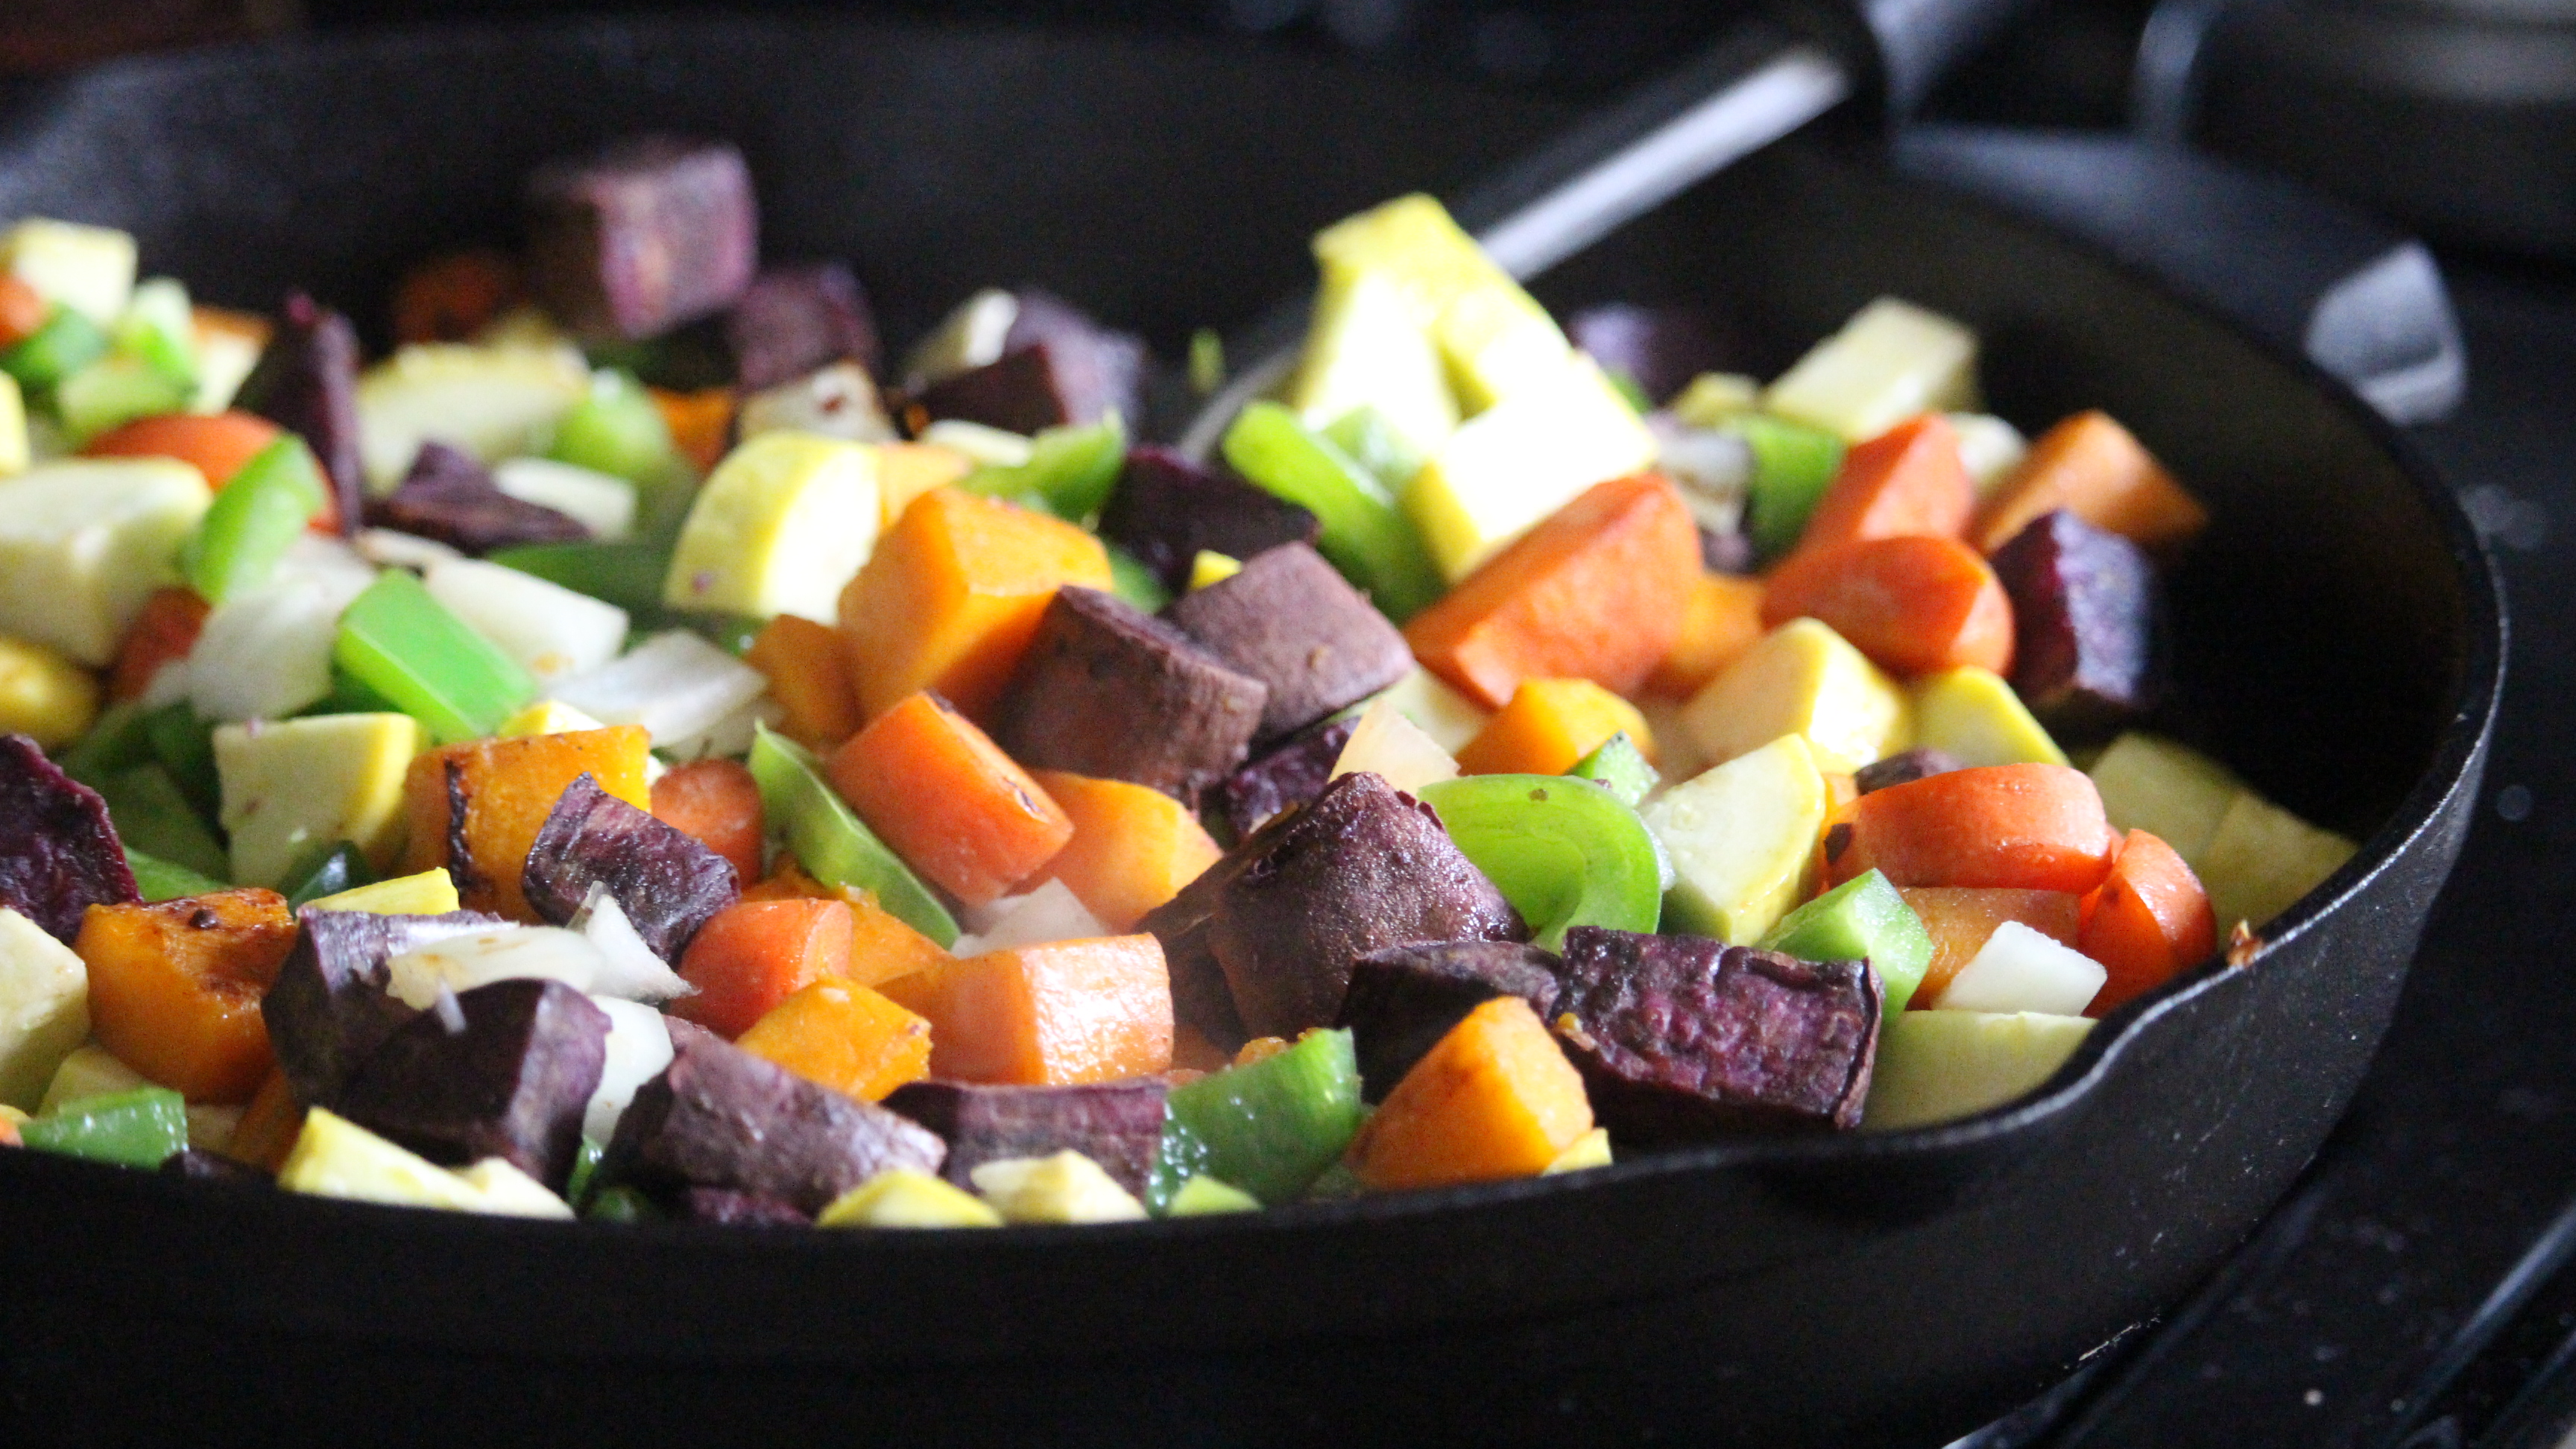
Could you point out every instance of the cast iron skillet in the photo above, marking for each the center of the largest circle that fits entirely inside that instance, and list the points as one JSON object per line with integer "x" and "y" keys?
{"x": 2340, "y": 642}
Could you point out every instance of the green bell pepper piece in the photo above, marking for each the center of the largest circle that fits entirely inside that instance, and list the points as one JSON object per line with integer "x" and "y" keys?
{"x": 585, "y": 1166}
{"x": 406, "y": 646}
{"x": 117, "y": 388}
{"x": 621, "y": 1204}
{"x": 1368, "y": 439}
{"x": 150, "y": 814}
{"x": 1565, "y": 852}
{"x": 1202, "y": 1196}
{"x": 159, "y": 327}
{"x": 185, "y": 746}
{"x": 1862, "y": 919}
{"x": 348, "y": 696}
{"x": 1269, "y": 1128}
{"x": 1619, "y": 767}
{"x": 628, "y": 575}
{"x": 259, "y": 513}
{"x": 1129, "y": 579}
{"x": 66, "y": 343}
{"x": 831, "y": 842}
{"x": 1364, "y": 534}
{"x": 119, "y": 740}
{"x": 159, "y": 880}
{"x": 1793, "y": 464}
{"x": 1070, "y": 470}
{"x": 140, "y": 1128}
{"x": 615, "y": 430}
{"x": 335, "y": 868}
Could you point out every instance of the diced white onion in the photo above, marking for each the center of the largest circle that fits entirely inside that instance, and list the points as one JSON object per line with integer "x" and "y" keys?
{"x": 553, "y": 632}
{"x": 596, "y": 501}
{"x": 730, "y": 736}
{"x": 461, "y": 963}
{"x": 980, "y": 441}
{"x": 394, "y": 549}
{"x": 628, "y": 968}
{"x": 675, "y": 685}
{"x": 2021, "y": 969}
{"x": 267, "y": 653}
{"x": 1049, "y": 913}
{"x": 639, "y": 1047}
{"x": 1386, "y": 743}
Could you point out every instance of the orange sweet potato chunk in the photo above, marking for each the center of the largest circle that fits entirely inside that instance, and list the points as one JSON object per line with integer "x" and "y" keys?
{"x": 1495, "y": 1098}
{"x": 882, "y": 945}
{"x": 268, "y": 1126}
{"x": 506, "y": 788}
{"x": 1720, "y": 621}
{"x": 2096, "y": 468}
{"x": 1052, "y": 1014}
{"x": 174, "y": 987}
{"x": 809, "y": 679}
{"x": 1133, "y": 846}
{"x": 1549, "y": 726}
{"x": 844, "y": 1036}
{"x": 752, "y": 955}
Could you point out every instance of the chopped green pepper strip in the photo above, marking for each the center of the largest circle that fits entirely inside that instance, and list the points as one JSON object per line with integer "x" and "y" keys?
{"x": 339, "y": 867}
{"x": 152, "y": 815}
{"x": 140, "y": 1128}
{"x": 405, "y": 645}
{"x": 831, "y": 842}
{"x": 1619, "y": 767}
{"x": 1863, "y": 919}
{"x": 1564, "y": 851}
{"x": 1129, "y": 579}
{"x": 1364, "y": 535}
{"x": 1270, "y": 1127}
{"x": 159, "y": 880}
{"x": 1070, "y": 470}
{"x": 253, "y": 521}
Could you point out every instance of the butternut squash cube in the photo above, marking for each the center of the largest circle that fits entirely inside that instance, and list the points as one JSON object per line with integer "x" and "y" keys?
{"x": 505, "y": 788}
{"x": 845, "y": 1037}
{"x": 1052, "y": 1014}
{"x": 175, "y": 986}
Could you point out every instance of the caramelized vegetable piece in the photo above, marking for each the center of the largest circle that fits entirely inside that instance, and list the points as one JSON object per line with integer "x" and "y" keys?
{"x": 1680, "y": 1037}
{"x": 1494, "y": 1099}
{"x": 882, "y": 946}
{"x": 808, "y": 678}
{"x": 477, "y": 808}
{"x": 1287, "y": 777}
{"x": 1053, "y": 1014}
{"x": 792, "y": 320}
{"x": 1288, "y": 620}
{"x": 1907, "y": 480}
{"x": 717, "y": 804}
{"x": 512, "y": 1084}
{"x": 307, "y": 383}
{"x": 451, "y": 298}
{"x": 1107, "y": 690}
{"x": 448, "y": 496}
{"x": 952, "y": 595}
{"x": 642, "y": 235}
{"x": 2091, "y": 466}
{"x": 846, "y": 1037}
{"x": 2086, "y": 627}
{"x": 2149, "y": 921}
{"x": 1549, "y": 725}
{"x": 1403, "y": 1000}
{"x": 175, "y": 988}
{"x": 58, "y": 852}
{"x": 1167, "y": 511}
{"x": 1721, "y": 622}
{"x": 1912, "y": 604}
{"x": 1118, "y": 1125}
{"x": 667, "y": 883}
{"x": 1596, "y": 592}
{"x": 328, "y": 1009}
{"x": 1133, "y": 849}
{"x": 2031, "y": 827}
{"x": 948, "y": 800}
{"x": 721, "y": 1117}
{"x": 750, "y": 957}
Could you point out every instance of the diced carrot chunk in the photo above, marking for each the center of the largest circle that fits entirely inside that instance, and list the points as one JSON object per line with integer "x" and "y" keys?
{"x": 175, "y": 986}
{"x": 1058, "y": 1013}
{"x": 1960, "y": 918}
{"x": 808, "y": 678}
{"x": 752, "y": 955}
{"x": 1907, "y": 480}
{"x": 844, "y": 1036}
{"x": 1912, "y": 604}
{"x": 948, "y": 801}
{"x": 506, "y": 788}
{"x": 1495, "y": 1098}
{"x": 717, "y": 803}
{"x": 215, "y": 444}
{"x": 22, "y": 310}
{"x": 2091, "y": 465}
{"x": 1549, "y": 726}
{"x": 882, "y": 945}
{"x": 162, "y": 634}
{"x": 2149, "y": 921}
{"x": 2032, "y": 827}
{"x": 701, "y": 423}
{"x": 1720, "y": 621}
{"x": 1133, "y": 846}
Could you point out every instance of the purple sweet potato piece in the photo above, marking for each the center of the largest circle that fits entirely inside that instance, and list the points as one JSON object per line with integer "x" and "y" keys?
{"x": 1167, "y": 509}
{"x": 1107, "y": 690}
{"x": 2087, "y": 626}
{"x": 1363, "y": 868}
{"x": 1906, "y": 768}
{"x": 59, "y": 854}
{"x": 1287, "y": 777}
{"x": 720, "y": 1117}
{"x": 727, "y": 1208}
{"x": 307, "y": 383}
{"x": 1023, "y": 391}
{"x": 1402, "y": 1000}
{"x": 1293, "y": 623}
{"x": 1659, "y": 348}
{"x": 1116, "y": 1124}
{"x": 199, "y": 1165}
{"x": 641, "y": 236}
{"x": 512, "y": 1084}
{"x": 1097, "y": 368}
{"x": 667, "y": 883}
{"x": 328, "y": 1009}
{"x": 1201, "y": 999}
{"x": 793, "y": 320}
{"x": 449, "y": 496}
{"x": 1682, "y": 1037}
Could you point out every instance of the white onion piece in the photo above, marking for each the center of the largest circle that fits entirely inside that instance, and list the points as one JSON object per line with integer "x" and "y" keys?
{"x": 675, "y": 685}
{"x": 267, "y": 653}
{"x": 328, "y": 561}
{"x": 981, "y": 442}
{"x": 628, "y": 968}
{"x": 1049, "y": 913}
{"x": 730, "y": 736}
{"x": 2020, "y": 969}
{"x": 596, "y": 501}
{"x": 169, "y": 685}
{"x": 639, "y": 1047}
{"x": 1989, "y": 448}
{"x": 1385, "y": 743}
{"x": 512, "y": 953}
{"x": 392, "y": 548}
{"x": 553, "y": 632}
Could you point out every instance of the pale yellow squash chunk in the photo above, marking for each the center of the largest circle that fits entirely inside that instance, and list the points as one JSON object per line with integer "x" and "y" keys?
{"x": 1802, "y": 678}
{"x": 291, "y": 785}
{"x": 1891, "y": 361}
{"x": 1973, "y": 714}
{"x": 84, "y": 542}
{"x": 779, "y": 528}
{"x": 1936, "y": 1066}
{"x": 1742, "y": 838}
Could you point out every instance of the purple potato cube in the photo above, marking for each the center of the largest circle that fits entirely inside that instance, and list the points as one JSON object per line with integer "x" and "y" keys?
{"x": 1201, "y": 999}
{"x": 328, "y": 1010}
{"x": 793, "y": 320}
{"x": 635, "y": 239}
{"x": 1905, "y": 769}
{"x": 199, "y": 1165}
{"x": 1097, "y": 369}
{"x": 1659, "y": 348}
{"x": 307, "y": 383}
{"x": 666, "y": 882}
{"x": 512, "y": 1083}
{"x": 448, "y": 496}
{"x": 720, "y": 1117}
{"x": 1166, "y": 510}
{"x": 1286, "y": 778}
{"x": 2088, "y": 646}
{"x": 1021, "y": 392}
{"x": 1401, "y": 1001}
{"x": 727, "y": 1208}
{"x": 59, "y": 854}
{"x": 1107, "y": 690}
{"x": 1293, "y": 623}
{"x": 1680, "y": 1038}
{"x": 1116, "y": 1124}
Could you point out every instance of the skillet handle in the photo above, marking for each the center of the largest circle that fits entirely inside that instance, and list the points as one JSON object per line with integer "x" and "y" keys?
{"x": 1901, "y": 49}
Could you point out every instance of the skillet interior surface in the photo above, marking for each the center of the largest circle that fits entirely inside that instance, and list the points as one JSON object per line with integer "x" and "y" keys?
{"x": 2339, "y": 639}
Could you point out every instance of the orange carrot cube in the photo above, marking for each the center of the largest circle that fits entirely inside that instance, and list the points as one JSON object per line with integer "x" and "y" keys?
{"x": 1133, "y": 846}
{"x": 1549, "y": 726}
{"x": 808, "y": 678}
{"x": 1912, "y": 604}
{"x": 2094, "y": 467}
{"x": 1495, "y": 1098}
{"x": 1907, "y": 480}
{"x": 716, "y": 803}
{"x": 752, "y": 955}
{"x": 945, "y": 797}
{"x": 1720, "y": 621}
{"x": 2149, "y": 922}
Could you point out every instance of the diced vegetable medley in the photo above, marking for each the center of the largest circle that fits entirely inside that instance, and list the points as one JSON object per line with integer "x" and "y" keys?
{"x": 640, "y": 750}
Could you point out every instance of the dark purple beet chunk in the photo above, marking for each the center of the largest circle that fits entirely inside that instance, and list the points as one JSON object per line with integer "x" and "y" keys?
{"x": 1116, "y": 1124}
{"x": 1166, "y": 510}
{"x": 1107, "y": 690}
{"x": 720, "y": 1117}
{"x": 1097, "y": 369}
{"x": 2087, "y": 631}
{"x": 197, "y": 1164}
{"x": 1402, "y": 1000}
{"x": 1682, "y": 1037}
{"x": 59, "y": 854}
{"x": 1660, "y": 348}
{"x": 641, "y": 236}
{"x": 307, "y": 383}
{"x": 1020, "y": 392}
{"x": 1287, "y": 777}
{"x": 449, "y": 496}
{"x": 1291, "y": 622}
{"x": 727, "y": 1208}
{"x": 328, "y": 1009}
{"x": 1905, "y": 769}
{"x": 793, "y": 320}
{"x": 664, "y": 879}
{"x": 511, "y": 1085}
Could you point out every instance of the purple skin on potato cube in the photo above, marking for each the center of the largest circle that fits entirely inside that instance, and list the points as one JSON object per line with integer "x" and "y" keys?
{"x": 328, "y": 1010}
{"x": 1905, "y": 769}
{"x": 635, "y": 239}
{"x": 1097, "y": 368}
{"x": 793, "y": 320}
{"x": 307, "y": 383}
{"x": 727, "y": 1208}
{"x": 1166, "y": 510}
{"x": 1659, "y": 348}
{"x": 1116, "y": 1124}
{"x": 1289, "y": 776}
{"x": 1402, "y": 1000}
{"x": 448, "y": 496}
{"x": 1107, "y": 690}
{"x": 1293, "y": 623}
{"x": 2087, "y": 623}
{"x": 199, "y": 1165}
{"x": 1021, "y": 392}
{"x": 1201, "y": 999}
{"x": 666, "y": 882}
{"x": 1680, "y": 1038}
{"x": 720, "y": 1117}
{"x": 59, "y": 854}
{"x": 512, "y": 1084}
